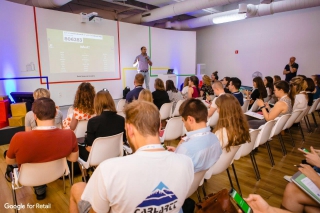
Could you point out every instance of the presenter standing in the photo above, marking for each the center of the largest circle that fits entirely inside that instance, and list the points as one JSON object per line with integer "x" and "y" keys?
{"x": 290, "y": 70}
{"x": 142, "y": 63}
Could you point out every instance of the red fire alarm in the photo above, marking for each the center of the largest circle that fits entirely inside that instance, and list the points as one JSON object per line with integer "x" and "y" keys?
{"x": 236, "y": 52}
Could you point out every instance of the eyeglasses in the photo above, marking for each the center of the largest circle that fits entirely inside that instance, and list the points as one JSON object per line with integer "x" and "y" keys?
{"x": 104, "y": 89}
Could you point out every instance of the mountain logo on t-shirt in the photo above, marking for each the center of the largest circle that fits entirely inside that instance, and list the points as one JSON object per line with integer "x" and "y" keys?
{"x": 162, "y": 199}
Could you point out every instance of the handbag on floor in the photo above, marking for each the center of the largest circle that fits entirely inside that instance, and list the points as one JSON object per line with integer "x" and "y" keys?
{"x": 218, "y": 202}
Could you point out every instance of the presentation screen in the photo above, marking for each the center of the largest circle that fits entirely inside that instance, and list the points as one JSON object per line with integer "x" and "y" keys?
{"x": 80, "y": 52}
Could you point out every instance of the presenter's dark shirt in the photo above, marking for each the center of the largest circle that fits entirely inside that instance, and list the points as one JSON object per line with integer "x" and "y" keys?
{"x": 160, "y": 97}
{"x": 239, "y": 96}
{"x": 290, "y": 75}
{"x": 133, "y": 94}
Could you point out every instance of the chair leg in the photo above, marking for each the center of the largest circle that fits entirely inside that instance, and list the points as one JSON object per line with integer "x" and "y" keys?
{"x": 283, "y": 147}
{"x": 64, "y": 184}
{"x": 314, "y": 119}
{"x": 299, "y": 124}
{"x": 198, "y": 195}
{"x": 235, "y": 175}
{"x": 70, "y": 180}
{"x": 270, "y": 153}
{"x": 309, "y": 129}
{"x": 255, "y": 166}
{"x": 293, "y": 144}
{"x": 230, "y": 180}
{"x": 204, "y": 191}
{"x": 82, "y": 172}
{"x": 72, "y": 174}
{"x": 14, "y": 198}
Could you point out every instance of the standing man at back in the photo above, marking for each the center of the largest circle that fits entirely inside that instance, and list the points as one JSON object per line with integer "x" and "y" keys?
{"x": 290, "y": 70}
{"x": 142, "y": 63}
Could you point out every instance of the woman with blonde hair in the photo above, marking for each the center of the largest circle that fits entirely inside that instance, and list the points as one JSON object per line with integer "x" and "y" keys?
{"x": 232, "y": 128}
{"x": 206, "y": 88}
{"x": 160, "y": 96}
{"x": 298, "y": 93}
{"x": 145, "y": 95}
{"x": 82, "y": 106}
{"x": 185, "y": 89}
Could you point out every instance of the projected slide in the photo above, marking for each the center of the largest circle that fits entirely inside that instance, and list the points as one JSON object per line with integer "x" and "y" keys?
{"x": 76, "y": 52}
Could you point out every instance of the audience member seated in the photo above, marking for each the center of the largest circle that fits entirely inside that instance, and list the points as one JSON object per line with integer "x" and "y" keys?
{"x": 44, "y": 143}
{"x": 185, "y": 89}
{"x": 193, "y": 91}
{"x": 282, "y": 107}
{"x": 225, "y": 82}
{"x": 259, "y": 91}
{"x": 30, "y": 122}
{"x": 268, "y": 83}
{"x": 201, "y": 145}
{"x": 145, "y": 95}
{"x": 134, "y": 94}
{"x": 82, "y": 106}
{"x": 259, "y": 205}
{"x": 310, "y": 90}
{"x": 214, "y": 76}
{"x": 218, "y": 91}
{"x": 173, "y": 93}
{"x": 297, "y": 90}
{"x": 234, "y": 86}
{"x": 106, "y": 123}
{"x": 316, "y": 81}
{"x": 232, "y": 128}
{"x": 276, "y": 78}
{"x": 134, "y": 183}
{"x": 160, "y": 96}
{"x": 206, "y": 88}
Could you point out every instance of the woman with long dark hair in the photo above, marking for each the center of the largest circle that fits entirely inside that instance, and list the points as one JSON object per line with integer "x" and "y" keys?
{"x": 174, "y": 94}
{"x": 268, "y": 83}
{"x": 259, "y": 91}
{"x": 193, "y": 91}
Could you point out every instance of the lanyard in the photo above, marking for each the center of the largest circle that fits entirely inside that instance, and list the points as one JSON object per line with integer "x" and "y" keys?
{"x": 150, "y": 147}
{"x": 195, "y": 136}
{"x": 44, "y": 127}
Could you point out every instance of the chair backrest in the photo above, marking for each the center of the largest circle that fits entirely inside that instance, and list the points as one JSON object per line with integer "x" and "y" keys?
{"x": 176, "y": 109}
{"x": 314, "y": 105}
{"x": 254, "y": 107}
{"x": 104, "y": 148}
{"x": 295, "y": 114}
{"x": 70, "y": 110}
{"x": 196, "y": 182}
{"x": 165, "y": 111}
{"x": 36, "y": 174}
{"x": 212, "y": 97}
{"x": 245, "y": 105}
{"x": 174, "y": 129}
{"x": 280, "y": 123}
{"x": 213, "y": 120}
{"x": 303, "y": 113}
{"x": 247, "y": 147}
{"x": 121, "y": 104}
{"x": 121, "y": 113}
{"x": 223, "y": 162}
{"x": 81, "y": 129}
{"x": 264, "y": 134}
{"x": 318, "y": 107}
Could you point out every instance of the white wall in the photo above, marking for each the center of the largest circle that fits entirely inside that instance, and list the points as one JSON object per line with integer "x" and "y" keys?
{"x": 265, "y": 44}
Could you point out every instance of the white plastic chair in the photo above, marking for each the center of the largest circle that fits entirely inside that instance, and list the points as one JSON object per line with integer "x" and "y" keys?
{"x": 276, "y": 130}
{"x": 264, "y": 136}
{"x": 121, "y": 113}
{"x": 254, "y": 107}
{"x": 291, "y": 121}
{"x": 102, "y": 149}
{"x": 247, "y": 148}
{"x": 311, "y": 112}
{"x": 299, "y": 119}
{"x": 245, "y": 105}
{"x": 70, "y": 110}
{"x": 198, "y": 177}
{"x": 165, "y": 110}
{"x": 81, "y": 129}
{"x": 36, "y": 174}
{"x": 213, "y": 120}
{"x": 176, "y": 109}
{"x": 121, "y": 104}
{"x": 173, "y": 129}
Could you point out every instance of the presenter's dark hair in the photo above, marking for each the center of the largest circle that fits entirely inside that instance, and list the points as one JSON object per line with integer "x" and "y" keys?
{"x": 236, "y": 82}
{"x": 44, "y": 108}
{"x": 142, "y": 47}
{"x": 170, "y": 86}
{"x": 194, "y": 108}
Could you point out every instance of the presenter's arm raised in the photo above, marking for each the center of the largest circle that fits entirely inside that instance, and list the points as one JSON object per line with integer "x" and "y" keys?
{"x": 136, "y": 61}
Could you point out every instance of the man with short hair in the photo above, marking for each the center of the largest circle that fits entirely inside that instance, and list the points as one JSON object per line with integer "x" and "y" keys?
{"x": 142, "y": 63}
{"x": 44, "y": 143}
{"x": 290, "y": 70}
{"x": 218, "y": 90}
{"x": 141, "y": 182}
{"x": 200, "y": 144}
{"x": 134, "y": 94}
{"x": 234, "y": 86}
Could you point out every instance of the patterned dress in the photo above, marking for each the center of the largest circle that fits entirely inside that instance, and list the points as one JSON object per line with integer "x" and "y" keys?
{"x": 78, "y": 114}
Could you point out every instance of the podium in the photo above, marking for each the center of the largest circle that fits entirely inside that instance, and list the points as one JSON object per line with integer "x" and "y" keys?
{"x": 165, "y": 77}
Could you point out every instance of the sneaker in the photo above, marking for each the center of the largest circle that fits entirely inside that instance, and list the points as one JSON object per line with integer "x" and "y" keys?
{"x": 287, "y": 178}
{"x": 41, "y": 197}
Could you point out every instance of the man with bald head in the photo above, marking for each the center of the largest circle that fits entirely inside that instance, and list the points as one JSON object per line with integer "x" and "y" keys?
{"x": 290, "y": 70}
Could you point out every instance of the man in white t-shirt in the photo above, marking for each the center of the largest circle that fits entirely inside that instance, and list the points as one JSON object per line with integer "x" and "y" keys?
{"x": 218, "y": 90}
{"x": 141, "y": 182}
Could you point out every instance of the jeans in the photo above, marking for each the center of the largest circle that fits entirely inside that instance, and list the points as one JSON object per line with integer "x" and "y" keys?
{"x": 146, "y": 78}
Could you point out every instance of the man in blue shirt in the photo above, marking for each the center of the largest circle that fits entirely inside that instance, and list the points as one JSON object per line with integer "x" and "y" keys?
{"x": 200, "y": 144}
{"x": 142, "y": 63}
{"x": 134, "y": 94}
{"x": 234, "y": 85}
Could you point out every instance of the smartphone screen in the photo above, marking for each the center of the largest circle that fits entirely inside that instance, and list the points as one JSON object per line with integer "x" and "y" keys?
{"x": 305, "y": 150}
{"x": 240, "y": 201}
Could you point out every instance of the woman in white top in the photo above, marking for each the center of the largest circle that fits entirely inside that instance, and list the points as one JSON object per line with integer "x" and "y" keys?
{"x": 185, "y": 89}
{"x": 297, "y": 90}
{"x": 268, "y": 83}
{"x": 174, "y": 94}
{"x": 232, "y": 128}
